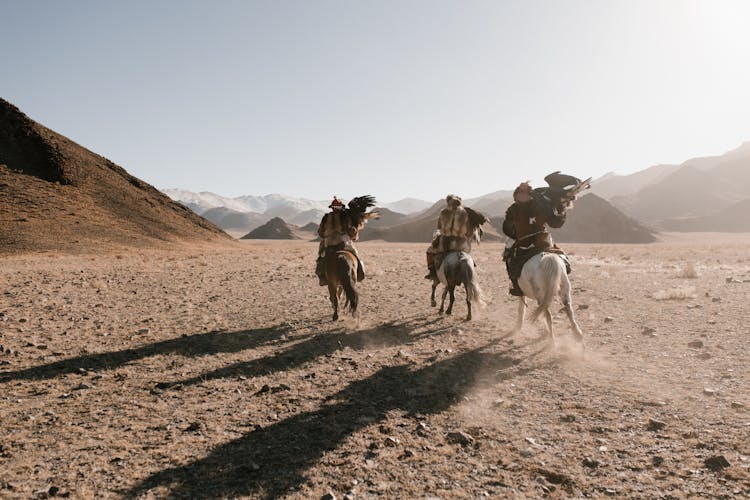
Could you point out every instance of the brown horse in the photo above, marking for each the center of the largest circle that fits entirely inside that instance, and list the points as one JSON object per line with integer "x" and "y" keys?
{"x": 341, "y": 275}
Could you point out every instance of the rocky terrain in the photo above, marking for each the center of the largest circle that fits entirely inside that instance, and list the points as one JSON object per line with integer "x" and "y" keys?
{"x": 217, "y": 373}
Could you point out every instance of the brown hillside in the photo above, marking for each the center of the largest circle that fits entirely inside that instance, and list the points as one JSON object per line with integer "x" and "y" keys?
{"x": 57, "y": 195}
{"x": 274, "y": 229}
{"x": 733, "y": 219}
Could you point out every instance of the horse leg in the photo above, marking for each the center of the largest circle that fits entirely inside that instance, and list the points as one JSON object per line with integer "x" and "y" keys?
{"x": 548, "y": 321}
{"x": 468, "y": 306}
{"x": 452, "y": 291}
{"x": 565, "y": 299}
{"x": 433, "y": 303}
{"x": 442, "y": 302}
{"x": 521, "y": 314}
{"x": 333, "y": 294}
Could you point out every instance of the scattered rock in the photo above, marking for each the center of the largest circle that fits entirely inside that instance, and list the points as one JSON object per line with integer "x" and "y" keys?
{"x": 657, "y": 461}
{"x": 391, "y": 442}
{"x": 568, "y": 418}
{"x": 648, "y": 331}
{"x": 143, "y": 331}
{"x": 460, "y": 437}
{"x": 556, "y": 477}
{"x": 709, "y": 392}
{"x": 716, "y": 463}
{"x": 329, "y": 496}
{"x": 737, "y": 404}
{"x": 704, "y": 356}
{"x": 590, "y": 463}
{"x": 193, "y": 427}
{"x": 608, "y": 319}
{"x": 695, "y": 344}
{"x": 583, "y": 307}
{"x": 655, "y": 425}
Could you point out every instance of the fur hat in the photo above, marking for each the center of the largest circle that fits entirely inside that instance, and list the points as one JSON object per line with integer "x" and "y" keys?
{"x": 453, "y": 200}
{"x": 336, "y": 203}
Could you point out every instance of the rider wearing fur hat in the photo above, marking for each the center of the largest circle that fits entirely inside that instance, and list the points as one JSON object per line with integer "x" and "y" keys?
{"x": 456, "y": 228}
{"x": 339, "y": 229}
{"x": 526, "y": 220}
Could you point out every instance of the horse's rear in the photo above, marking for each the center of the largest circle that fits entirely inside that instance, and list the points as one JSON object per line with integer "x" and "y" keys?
{"x": 341, "y": 274}
{"x": 458, "y": 269}
{"x": 543, "y": 277}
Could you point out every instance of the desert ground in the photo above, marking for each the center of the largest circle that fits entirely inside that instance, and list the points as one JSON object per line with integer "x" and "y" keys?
{"x": 216, "y": 372}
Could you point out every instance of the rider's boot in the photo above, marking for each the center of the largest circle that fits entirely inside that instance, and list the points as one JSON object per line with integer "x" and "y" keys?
{"x": 360, "y": 270}
{"x": 431, "y": 275}
{"x": 515, "y": 290}
{"x": 320, "y": 270}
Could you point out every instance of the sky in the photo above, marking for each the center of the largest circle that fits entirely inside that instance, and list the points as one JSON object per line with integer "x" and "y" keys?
{"x": 395, "y": 98}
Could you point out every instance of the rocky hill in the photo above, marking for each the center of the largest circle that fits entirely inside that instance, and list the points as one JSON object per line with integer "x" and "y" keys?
{"x": 274, "y": 229}
{"x": 56, "y": 195}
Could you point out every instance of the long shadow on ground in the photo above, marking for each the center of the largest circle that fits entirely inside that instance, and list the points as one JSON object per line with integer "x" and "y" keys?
{"x": 326, "y": 343}
{"x": 199, "y": 344}
{"x": 272, "y": 461}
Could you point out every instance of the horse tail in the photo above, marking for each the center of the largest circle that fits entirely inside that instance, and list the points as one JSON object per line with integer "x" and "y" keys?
{"x": 551, "y": 271}
{"x": 346, "y": 278}
{"x": 469, "y": 278}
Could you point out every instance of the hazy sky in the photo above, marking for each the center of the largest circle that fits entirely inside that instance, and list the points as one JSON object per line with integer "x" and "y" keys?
{"x": 394, "y": 98}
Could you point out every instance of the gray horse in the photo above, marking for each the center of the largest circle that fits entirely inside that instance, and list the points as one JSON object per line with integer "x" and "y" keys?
{"x": 457, "y": 269}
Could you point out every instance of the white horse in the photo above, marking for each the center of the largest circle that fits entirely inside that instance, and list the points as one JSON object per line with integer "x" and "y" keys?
{"x": 543, "y": 276}
{"x": 457, "y": 269}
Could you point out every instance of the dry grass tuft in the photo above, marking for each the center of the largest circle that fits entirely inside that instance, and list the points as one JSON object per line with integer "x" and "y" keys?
{"x": 688, "y": 272}
{"x": 679, "y": 293}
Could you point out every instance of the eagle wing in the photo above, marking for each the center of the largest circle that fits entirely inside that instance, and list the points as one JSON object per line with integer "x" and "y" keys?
{"x": 357, "y": 210}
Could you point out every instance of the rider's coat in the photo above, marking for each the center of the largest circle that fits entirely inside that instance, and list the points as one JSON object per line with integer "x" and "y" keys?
{"x": 455, "y": 229}
{"x": 335, "y": 228}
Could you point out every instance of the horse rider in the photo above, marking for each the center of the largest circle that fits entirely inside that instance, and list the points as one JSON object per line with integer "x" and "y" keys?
{"x": 525, "y": 222}
{"x": 454, "y": 232}
{"x": 336, "y": 230}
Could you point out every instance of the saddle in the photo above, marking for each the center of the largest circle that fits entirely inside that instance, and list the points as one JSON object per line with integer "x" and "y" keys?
{"x": 516, "y": 256}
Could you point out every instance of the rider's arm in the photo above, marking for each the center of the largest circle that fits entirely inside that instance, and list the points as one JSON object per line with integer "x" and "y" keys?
{"x": 508, "y": 227}
{"x": 556, "y": 216}
{"x": 321, "y": 227}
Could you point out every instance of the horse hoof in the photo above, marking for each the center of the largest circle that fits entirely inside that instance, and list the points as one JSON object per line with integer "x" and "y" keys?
{"x": 335, "y": 317}
{"x": 433, "y": 304}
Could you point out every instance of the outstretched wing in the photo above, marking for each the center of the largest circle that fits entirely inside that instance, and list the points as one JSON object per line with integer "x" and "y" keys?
{"x": 357, "y": 210}
{"x": 563, "y": 189}
{"x": 476, "y": 219}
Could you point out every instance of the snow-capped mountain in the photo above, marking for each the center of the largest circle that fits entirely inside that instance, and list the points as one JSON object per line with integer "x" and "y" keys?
{"x": 200, "y": 202}
{"x": 245, "y": 213}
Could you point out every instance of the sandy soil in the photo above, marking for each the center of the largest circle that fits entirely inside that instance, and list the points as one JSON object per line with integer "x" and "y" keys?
{"x": 218, "y": 373}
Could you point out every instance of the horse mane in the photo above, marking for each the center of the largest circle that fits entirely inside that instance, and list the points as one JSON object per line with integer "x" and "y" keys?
{"x": 357, "y": 210}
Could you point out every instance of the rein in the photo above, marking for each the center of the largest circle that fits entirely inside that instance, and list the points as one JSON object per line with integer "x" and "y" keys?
{"x": 543, "y": 231}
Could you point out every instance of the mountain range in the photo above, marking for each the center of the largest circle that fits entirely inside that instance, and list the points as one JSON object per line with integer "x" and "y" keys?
{"x": 58, "y": 195}
{"x": 700, "y": 194}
